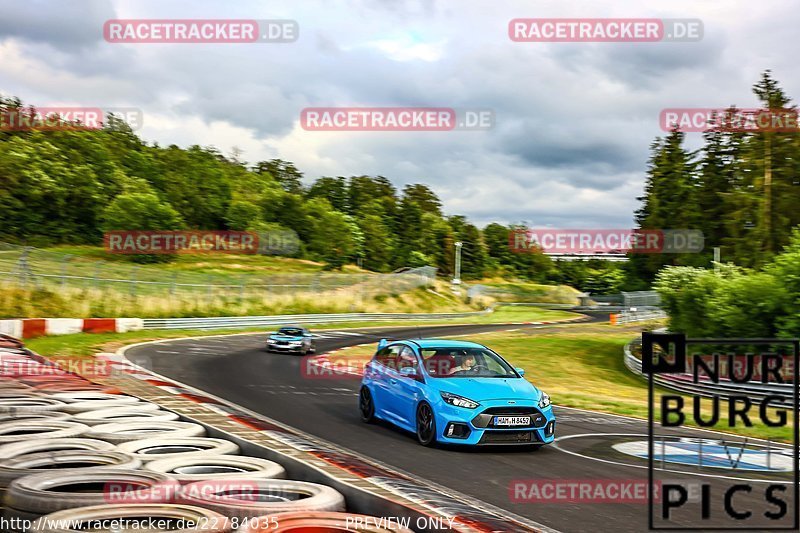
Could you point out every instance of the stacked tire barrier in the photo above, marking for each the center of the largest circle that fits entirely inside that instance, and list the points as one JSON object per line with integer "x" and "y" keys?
{"x": 76, "y": 456}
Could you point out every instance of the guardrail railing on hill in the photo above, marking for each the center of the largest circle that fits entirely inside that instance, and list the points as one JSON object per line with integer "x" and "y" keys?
{"x": 683, "y": 382}
{"x": 28, "y": 267}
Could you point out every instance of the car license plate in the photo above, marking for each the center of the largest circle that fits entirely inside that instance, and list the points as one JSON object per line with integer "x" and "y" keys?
{"x": 512, "y": 421}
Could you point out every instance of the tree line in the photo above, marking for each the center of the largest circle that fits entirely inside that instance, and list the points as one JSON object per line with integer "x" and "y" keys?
{"x": 69, "y": 186}
{"x": 741, "y": 188}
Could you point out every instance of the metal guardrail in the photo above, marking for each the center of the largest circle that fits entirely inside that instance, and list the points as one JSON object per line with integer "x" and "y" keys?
{"x": 683, "y": 382}
{"x": 627, "y": 316}
{"x": 277, "y": 320}
{"x": 641, "y": 299}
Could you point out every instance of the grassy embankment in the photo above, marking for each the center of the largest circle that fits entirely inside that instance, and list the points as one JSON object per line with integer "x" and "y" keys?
{"x": 197, "y": 285}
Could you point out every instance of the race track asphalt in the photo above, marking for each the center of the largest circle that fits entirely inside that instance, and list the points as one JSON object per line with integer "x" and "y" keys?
{"x": 238, "y": 369}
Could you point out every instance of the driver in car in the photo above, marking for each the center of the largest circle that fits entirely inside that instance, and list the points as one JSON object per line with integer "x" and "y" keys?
{"x": 467, "y": 363}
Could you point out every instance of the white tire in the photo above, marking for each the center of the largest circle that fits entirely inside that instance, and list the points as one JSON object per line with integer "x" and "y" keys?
{"x": 17, "y": 430}
{"x": 45, "y": 415}
{"x": 123, "y": 414}
{"x": 193, "y": 469}
{"x": 88, "y": 396}
{"x": 120, "y": 432}
{"x": 33, "y": 463}
{"x": 18, "y": 449}
{"x": 178, "y": 448}
{"x": 249, "y": 498}
{"x": 96, "y": 405}
{"x": 49, "y": 492}
{"x": 29, "y": 405}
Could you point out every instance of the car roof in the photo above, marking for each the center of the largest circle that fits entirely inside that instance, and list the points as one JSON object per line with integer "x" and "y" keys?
{"x": 442, "y": 343}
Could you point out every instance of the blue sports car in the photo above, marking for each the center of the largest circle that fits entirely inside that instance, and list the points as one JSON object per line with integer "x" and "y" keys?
{"x": 454, "y": 392}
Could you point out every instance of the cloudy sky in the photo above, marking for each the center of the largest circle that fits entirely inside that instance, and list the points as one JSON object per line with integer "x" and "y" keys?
{"x": 573, "y": 121}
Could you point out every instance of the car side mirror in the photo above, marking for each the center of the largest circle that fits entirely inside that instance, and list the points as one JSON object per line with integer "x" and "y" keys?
{"x": 520, "y": 371}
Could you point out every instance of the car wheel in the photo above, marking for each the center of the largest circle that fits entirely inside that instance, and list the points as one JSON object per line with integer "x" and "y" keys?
{"x": 426, "y": 425}
{"x": 366, "y": 405}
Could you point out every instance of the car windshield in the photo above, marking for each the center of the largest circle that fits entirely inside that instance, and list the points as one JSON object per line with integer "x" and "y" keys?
{"x": 293, "y": 332}
{"x": 465, "y": 363}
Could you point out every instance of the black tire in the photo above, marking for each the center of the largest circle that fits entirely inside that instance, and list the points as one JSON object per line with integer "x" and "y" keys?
{"x": 366, "y": 405}
{"x": 426, "y": 425}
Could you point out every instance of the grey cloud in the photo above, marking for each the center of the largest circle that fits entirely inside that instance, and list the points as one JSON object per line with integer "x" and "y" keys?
{"x": 64, "y": 24}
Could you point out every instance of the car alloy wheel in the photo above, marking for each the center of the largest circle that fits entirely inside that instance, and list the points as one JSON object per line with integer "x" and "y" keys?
{"x": 366, "y": 405}
{"x": 426, "y": 425}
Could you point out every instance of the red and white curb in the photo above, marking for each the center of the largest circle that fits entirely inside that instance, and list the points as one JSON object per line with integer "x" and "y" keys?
{"x": 27, "y": 328}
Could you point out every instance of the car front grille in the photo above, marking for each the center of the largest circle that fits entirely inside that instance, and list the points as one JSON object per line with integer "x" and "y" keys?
{"x": 508, "y": 437}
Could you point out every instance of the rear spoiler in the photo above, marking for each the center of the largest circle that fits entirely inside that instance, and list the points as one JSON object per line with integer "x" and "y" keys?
{"x": 382, "y": 343}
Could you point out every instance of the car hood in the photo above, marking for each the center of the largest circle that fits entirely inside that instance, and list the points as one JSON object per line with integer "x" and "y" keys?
{"x": 481, "y": 389}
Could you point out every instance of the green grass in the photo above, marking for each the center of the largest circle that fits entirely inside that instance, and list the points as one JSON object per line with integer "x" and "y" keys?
{"x": 217, "y": 264}
{"x": 87, "y": 344}
{"x": 54, "y": 302}
{"x": 582, "y": 366}
{"x": 524, "y": 291}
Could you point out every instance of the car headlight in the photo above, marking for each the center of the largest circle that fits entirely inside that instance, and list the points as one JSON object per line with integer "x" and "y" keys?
{"x": 544, "y": 400}
{"x": 271, "y": 341}
{"x": 458, "y": 401}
